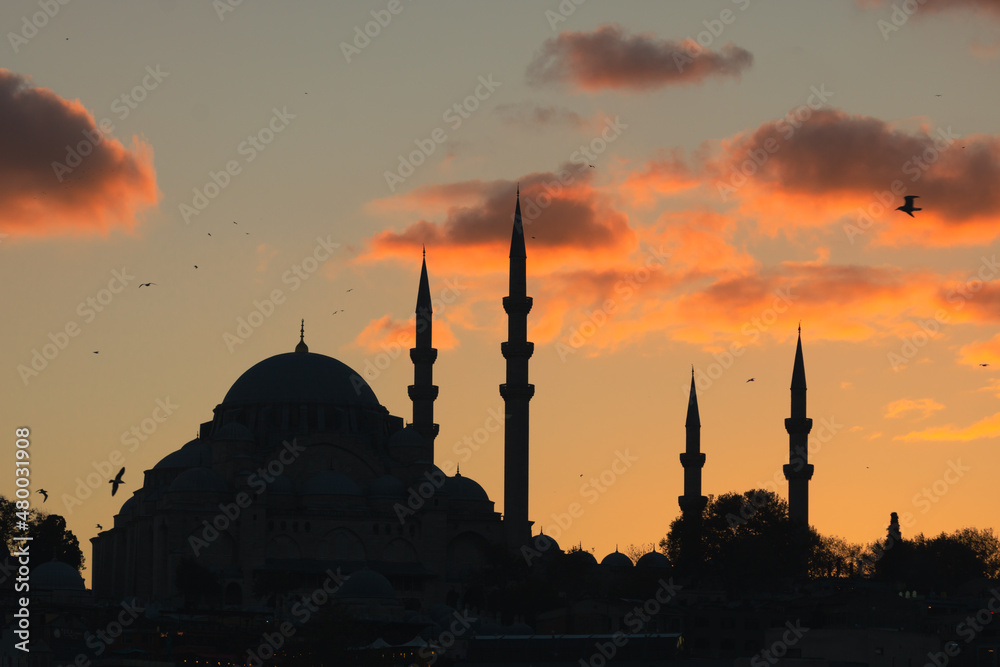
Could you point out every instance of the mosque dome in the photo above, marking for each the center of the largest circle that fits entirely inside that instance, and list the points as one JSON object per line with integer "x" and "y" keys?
{"x": 195, "y": 453}
{"x": 617, "y": 560}
{"x": 56, "y": 576}
{"x": 585, "y": 558}
{"x": 301, "y": 377}
{"x": 233, "y": 431}
{"x": 464, "y": 488}
{"x": 653, "y": 560}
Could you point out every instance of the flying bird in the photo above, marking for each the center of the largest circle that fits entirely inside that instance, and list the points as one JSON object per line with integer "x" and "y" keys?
{"x": 351, "y": 290}
{"x": 592, "y": 166}
{"x": 97, "y": 351}
{"x": 984, "y": 364}
{"x": 100, "y": 527}
{"x": 196, "y": 266}
{"x": 116, "y": 481}
{"x": 210, "y": 233}
{"x": 750, "y": 380}
{"x": 44, "y": 493}
{"x": 146, "y": 284}
{"x": 908, "y": 208}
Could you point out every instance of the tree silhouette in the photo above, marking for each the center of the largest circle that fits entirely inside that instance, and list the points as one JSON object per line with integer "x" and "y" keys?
{"x": 50, "y": 536}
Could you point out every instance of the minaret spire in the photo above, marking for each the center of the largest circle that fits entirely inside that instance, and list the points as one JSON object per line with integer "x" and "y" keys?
{"x": 423, "y": 391}
{"x": 517, "y": 391}
{"x": 798, "y": 471}
{"x": 692, "y": 503}
{"x": 302, "y": 347}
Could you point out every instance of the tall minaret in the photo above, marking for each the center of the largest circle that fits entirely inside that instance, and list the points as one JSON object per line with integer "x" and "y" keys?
{"x": 798, "y": 472}
{"x": 692, "y": 502}
{"x": 516, "y": 392}
{"x": 423, "y": 391}
{"x": 692, "y": 459}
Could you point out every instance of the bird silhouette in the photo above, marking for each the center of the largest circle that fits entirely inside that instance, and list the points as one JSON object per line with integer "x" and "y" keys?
{"x": 146, "y": 284}
{"x": 196, "y": 266}
{"x": 592, "y": 166}
{"x": 210, "y": 233}
{"x": 984, "y": 364}
{"x": 116, "y": 481}
{"x": 97, "y": 351}
{"x": 908, "y": 208}
{"x": 100, "y": 527}
{"x": 44, "y": 493}
{"x": 751, "y": 380}
{"x": 351, "y": 290}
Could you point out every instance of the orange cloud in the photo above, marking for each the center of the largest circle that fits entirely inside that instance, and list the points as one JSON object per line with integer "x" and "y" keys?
{"x": 60, "y": 173}
{"x": 984, "y": 428}
{"x": 396, "y": 337}
{"x": 981, "y": 352}
{"x": 925, "y": 406}
{"x": 607, "y": 58}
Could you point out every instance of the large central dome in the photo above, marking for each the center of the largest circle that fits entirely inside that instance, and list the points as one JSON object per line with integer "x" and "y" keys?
{"x": 301, "y": 377}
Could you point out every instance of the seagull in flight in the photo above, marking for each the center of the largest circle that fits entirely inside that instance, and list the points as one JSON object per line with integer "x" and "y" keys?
{"x": 44, "y": 493}
{"x": 100, "y": 527}
{"x": 146, "y": 284}
{"x": 984, "y": 364}
{"x": 116, "y": 481}
{"x": 351, "y": 290}
{"x": 908, "y": 207}
{"x": 751, "y": 380}
{"x": 97, "y": 351}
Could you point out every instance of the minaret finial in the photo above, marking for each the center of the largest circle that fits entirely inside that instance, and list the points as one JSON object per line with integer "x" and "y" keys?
{"x": 302, "y": 347}
{"x": 424, "y": 249}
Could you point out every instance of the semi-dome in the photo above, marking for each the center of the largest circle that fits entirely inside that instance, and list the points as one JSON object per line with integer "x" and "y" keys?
{"x": 56, "y": 576}
{"x": 301, "y": 377}
{"x": 330, "y": 483}
{"x": 199, "y": 479}
{"x": 617, "y": 560}
{"x": 195, "y": 453}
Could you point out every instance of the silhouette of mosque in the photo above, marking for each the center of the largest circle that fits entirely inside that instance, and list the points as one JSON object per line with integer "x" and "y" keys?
{"x": 302, "y": 471}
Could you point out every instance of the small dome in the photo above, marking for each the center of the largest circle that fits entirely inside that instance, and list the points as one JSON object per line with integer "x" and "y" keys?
{"x": 387, "y": 486}
{"x": 193, "y": 454}
{"x": 56, "y": 576}
{"x": 654, "y": 560}
{"x": 464, "y": 488}
{"x": 407, "y": 437}
{"x": 617, "y": 560}
{"x": 583, "y": 557}
{"x": 233, "y": 431}
{"x": 330, "y": 483}
{"x": 366, "y": 585}
{"x": 301, "y": 377}
{"x": 545, "y": 544}
{"x": 200, "y": 480}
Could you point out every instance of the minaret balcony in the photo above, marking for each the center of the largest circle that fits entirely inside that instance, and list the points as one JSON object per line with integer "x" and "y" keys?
{"x": 514, "y": 391}
{"x": 798, "y": 424}
{"x": 692, "y": 460}
{"x": 517, "y": 305}
{"x": 423, "y": 355}
{"x": 516, "y": 350}
{"x": 424, "y": 392}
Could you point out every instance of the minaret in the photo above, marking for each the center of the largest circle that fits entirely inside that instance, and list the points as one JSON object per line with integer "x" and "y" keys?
{"x": 692, "y": 459}
{"x": 423, "y": 391}
{"x": 516, "y": 392}
{"x": 692, "y": 502}
{"x": 798, "y": 471}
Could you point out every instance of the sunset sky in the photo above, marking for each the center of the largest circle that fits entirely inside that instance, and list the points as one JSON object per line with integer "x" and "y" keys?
{"x": 747, "y": 160}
